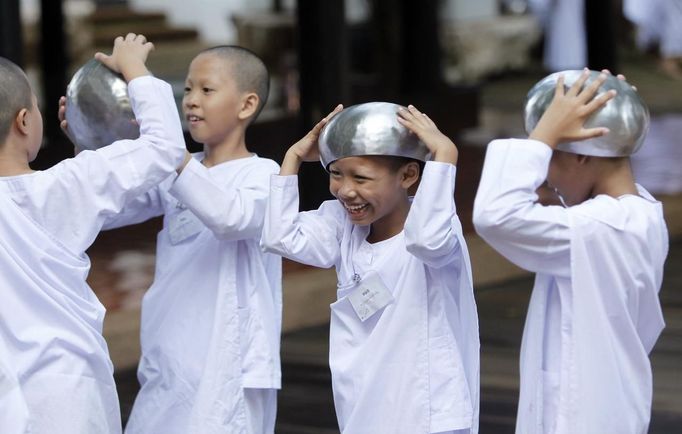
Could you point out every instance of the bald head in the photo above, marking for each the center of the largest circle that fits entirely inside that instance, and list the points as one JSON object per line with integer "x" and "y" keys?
{"x": 15, "y": 95}
{"x": 248, "y": 71}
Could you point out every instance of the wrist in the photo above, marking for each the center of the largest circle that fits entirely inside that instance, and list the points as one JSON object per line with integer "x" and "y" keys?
{"x": 447, "y": 154}
{"x": 131, "y": 72}
{"x": 291, "y": 163}
{"x": 547, "y": 139}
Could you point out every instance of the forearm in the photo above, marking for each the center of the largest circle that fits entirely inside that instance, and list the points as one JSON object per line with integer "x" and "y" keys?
{"x": 308, "y": 237}
{"x": 230, "y": 212}
{"x": 506, "y": 212}
{"x": 446, "y": 154}
{"x": 140, "y": 209}
{"x": 291, "y": 164}
{"x": 432, "y": 225}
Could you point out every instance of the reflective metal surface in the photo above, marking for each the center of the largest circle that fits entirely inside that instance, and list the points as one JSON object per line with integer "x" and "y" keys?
{"x": 626, "y": 116}
{"x": 98, "y": 109}
{"x": 369, "y": 129}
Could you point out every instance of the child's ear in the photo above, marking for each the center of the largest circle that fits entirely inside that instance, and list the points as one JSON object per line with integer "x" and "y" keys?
{"x": 409, "y": 174}
{"x": 21, "y": 121}
{"x": 249, "y": 106}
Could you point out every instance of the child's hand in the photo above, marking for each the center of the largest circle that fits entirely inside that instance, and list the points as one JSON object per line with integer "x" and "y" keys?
{"x": 129, "y": 56}
{"x": 61, "y": 114}
{"x": 307, "y": 148}
{"x": 564, "y": 119}
{"x": 620, "y": 77}
{"x": 439, "y": 144}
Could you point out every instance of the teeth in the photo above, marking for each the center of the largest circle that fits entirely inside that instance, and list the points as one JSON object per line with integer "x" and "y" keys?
{"x": 355, "y": 208}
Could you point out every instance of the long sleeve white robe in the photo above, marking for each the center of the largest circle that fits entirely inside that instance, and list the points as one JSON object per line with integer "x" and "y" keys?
{"x": 14, "y": 418}
{"x": 412, "y": 367}
{"x": 50, "y": 320}
{"x": 594, "y": 313}
{"x": 565, "y": 35}
{"x": 211, "y": 321}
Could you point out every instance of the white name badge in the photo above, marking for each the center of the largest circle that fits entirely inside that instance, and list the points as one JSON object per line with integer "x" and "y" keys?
{"x": 182, "y": 226}
{"x": 370, "y": 296}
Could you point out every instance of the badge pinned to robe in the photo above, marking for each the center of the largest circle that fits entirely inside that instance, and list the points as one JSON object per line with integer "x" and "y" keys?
{"x": 370, "y": 296}
{"x": 182, "y": 226}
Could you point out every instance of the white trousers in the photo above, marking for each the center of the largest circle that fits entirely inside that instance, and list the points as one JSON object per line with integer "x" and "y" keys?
{"x": 261, "y": 410}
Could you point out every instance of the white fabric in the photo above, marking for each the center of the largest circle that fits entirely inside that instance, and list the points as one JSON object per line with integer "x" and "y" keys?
{"x": 51, "y": 321}
{"x": 14, "y": 417}
{"x": 211, "y": 320}
{"x": 605, "y": 257}
{"x": 412, "y": 367}
{"x": 657, "y": 21}
{"x": 261, "y": 410}
{"x": 565, "y": 34}
{"x": 459, "y": 431}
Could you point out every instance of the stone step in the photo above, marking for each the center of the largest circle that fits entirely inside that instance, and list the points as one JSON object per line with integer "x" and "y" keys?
{"x": 114, "y": 14}
{"x": 104, "y": 36}
{"x": 107, "y": 22}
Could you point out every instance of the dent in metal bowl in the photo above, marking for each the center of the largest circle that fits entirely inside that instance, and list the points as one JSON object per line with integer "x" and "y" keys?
{"x": 369, "y": 129}
{"x": 98, "y": 110}
{"x": 626, "y": 116}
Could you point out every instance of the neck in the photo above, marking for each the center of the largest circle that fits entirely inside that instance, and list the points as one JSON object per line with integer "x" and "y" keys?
{"x": 13, "y": 164}
{"x": 615, "y": 179}
{"x": 231, "y": 147}
{"x": 391, "y": 224}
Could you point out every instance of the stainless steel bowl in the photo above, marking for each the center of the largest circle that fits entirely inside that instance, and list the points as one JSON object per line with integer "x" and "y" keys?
{"x": 626, "y": 116}
{"x": 369, "y": 129}
{"x": 98, "y": 110}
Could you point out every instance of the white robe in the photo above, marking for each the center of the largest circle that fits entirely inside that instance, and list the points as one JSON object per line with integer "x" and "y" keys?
{"x": 51, "y": 322}
{"x": 565, "y": 35}
{"x": 594, "y": 313}
{"x": 14, "y": 417}
{"x": 412, "y": 367}
{"x": 657, "y": 21}
{"x": 211, "y": 320}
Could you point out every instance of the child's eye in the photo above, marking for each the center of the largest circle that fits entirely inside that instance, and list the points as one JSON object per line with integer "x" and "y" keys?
{"x": 207, "y": 89}
{"x": 187, "y": 89}
{"x": 334, "y": 173}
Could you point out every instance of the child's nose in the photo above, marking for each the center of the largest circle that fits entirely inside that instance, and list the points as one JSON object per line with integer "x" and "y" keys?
{"x": 347, "y": 191}
{"x": 190, "y": 100}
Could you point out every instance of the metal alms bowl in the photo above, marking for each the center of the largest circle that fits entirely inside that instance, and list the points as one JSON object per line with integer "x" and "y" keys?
{"x": 626, "y": 116}
{"x": 369, "y": 129}
{"x": 98, "y": 110}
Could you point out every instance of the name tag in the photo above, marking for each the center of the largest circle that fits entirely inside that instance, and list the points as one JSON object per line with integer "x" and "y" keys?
{"x": 370, "y": 296}
{"x": 182, "y": 226}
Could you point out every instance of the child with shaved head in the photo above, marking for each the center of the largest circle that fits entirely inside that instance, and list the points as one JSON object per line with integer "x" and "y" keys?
{"x": 55, "y": 372}
{"x": 211, "y": 320}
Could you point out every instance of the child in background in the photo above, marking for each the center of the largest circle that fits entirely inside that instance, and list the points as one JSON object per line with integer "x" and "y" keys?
{"x": 50, "y": 320}
{"x": 594, "y": 313}
{"x": 211, "y": 320}
{"x": 404, "y": 331}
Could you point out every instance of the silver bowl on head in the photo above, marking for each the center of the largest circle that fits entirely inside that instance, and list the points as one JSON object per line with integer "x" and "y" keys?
{"x": 626, "y": 116}
{"x": 98, "y": 110}
{"x": 369, "y": 129}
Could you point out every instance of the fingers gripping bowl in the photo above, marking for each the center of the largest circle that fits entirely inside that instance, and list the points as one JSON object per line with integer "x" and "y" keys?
{"x": 626, "y": 116}
{"x": 369, "y": 129}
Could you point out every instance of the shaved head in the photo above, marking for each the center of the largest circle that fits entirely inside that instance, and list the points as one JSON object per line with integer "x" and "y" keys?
{"x": 15, "y": 95}
{"x": 248, "y": 71}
